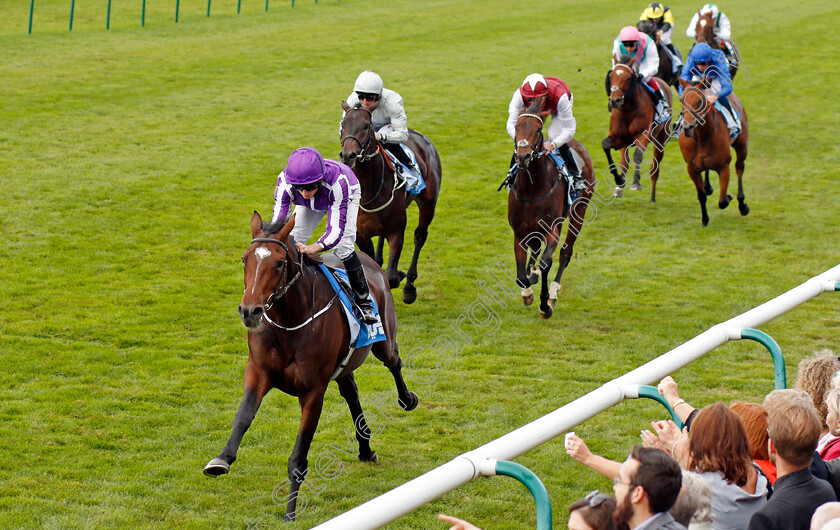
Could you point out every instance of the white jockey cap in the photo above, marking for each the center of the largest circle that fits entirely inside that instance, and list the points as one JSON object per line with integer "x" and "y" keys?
{"x": 368, "y": 83}
{"x": 709, "y": 8}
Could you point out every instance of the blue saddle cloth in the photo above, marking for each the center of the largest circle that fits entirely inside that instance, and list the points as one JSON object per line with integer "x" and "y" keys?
{"x": 361, "y": 334}
{"x": 571, "y": 193}
{"x": 414, "y": 182}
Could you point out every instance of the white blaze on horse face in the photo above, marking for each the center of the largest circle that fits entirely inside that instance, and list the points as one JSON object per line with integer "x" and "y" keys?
{"x": 702, "y": 23}
{"x": 261, "y": 253}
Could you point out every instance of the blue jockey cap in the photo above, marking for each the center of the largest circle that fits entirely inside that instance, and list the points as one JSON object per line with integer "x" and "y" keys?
{"x": 306, "y": 165}
{"x": 702, "y": 53}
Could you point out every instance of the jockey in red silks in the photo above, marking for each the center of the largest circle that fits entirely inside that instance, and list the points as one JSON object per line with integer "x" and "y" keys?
{"x": 557, "y": 100}
{"x": 645, "y": 60}
{"x": 319, "y": 187}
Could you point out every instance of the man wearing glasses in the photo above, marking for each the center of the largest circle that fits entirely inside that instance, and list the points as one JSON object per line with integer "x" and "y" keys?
{"x": 646, "y": 487}
{"x": 644, "y": 60}
{"x": 388, "y": 116}
{"x": 319, "y": 187}
{"x": 704, "y": 62}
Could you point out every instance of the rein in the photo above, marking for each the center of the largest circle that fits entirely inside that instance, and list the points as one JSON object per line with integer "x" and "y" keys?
{"x": 398, "y": 183}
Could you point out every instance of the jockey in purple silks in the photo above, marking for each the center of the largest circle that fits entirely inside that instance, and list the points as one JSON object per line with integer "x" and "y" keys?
{"x": 318, "y": 187}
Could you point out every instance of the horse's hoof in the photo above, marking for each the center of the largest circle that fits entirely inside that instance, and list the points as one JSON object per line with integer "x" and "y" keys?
{"x": 409, "y": 294}
{"x": 372, "y": 457}
{"x": 216, "y": 467}
{"x": 636, "y": 186}
{"x": 706, "y": 221}
{"x": 552, "y": 302}
{"x": 393, "y": 283}
{"x": 743, "y": 208}
{"x": 547, "y": 313}
{"x": 618, "y": 192}
{"x": 289, "y": 518}
{"x": 412, "y": 402}
{"x": 533, "y": 278}
{"x": 709, "y": 189}
{"x": 527, "y": 296}
{"x": 724, "y": 204}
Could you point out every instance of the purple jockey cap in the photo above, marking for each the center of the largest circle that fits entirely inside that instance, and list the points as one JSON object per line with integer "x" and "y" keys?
{"x": 702, "y": 53}
{"x": 306, "y": 165}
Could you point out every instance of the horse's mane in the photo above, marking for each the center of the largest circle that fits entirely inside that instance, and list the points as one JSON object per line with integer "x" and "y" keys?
{"x": 625, "y": 58}
{"x": 535, "y": 107}
{"x": 272, "y": 228}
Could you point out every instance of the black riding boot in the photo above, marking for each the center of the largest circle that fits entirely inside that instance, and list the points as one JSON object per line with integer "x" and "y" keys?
{"x": 361, "y": 292}
{"x": 398, "y": 151}
{"x": 578, "y": 182}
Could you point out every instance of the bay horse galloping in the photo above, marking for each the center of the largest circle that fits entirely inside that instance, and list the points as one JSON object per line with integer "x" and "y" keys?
{"x": 299, "y": 341}
{"x": 538, "y": 205}
{"x": 384, "y": 199}
{"x": 633, "y": 124}
{"x": 705, "y": 32}
{"x": 705, "y": 145}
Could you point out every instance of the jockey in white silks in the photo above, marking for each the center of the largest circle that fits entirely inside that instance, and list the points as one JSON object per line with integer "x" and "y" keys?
{"x": 388, "y": 117}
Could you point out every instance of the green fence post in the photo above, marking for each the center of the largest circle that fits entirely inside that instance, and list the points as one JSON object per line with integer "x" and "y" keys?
{"x": 775, "y": 352}
{"x": 650, "y": 392}
{"x": 238, "y": 6}
{"x": 534, "y": 485}
{"x": 177, "y": 3}
{"x": 266, "y": 5}
{"x": 31, "y": 9}
{"x": 208, "y": 8}
{"x": 108, "y": 19}
{"x": 72, "y": 7}
{"x": 143, "y": 16}
{"x": 836, "y": 284}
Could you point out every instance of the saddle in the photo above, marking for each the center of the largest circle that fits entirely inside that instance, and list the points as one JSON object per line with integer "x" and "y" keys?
{"x": 413, "y": 180}
{"x": 361, "y": 334}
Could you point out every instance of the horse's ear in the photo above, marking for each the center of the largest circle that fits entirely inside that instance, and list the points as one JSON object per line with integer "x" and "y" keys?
{"x": 345, "y": 106}
{"x": 256, "y": 225}
{"x": 284, "y": 232}
{"x": 683, "y": 82}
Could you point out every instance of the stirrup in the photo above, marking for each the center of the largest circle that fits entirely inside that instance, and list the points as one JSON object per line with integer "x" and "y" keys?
{"x": 366, "y": 310}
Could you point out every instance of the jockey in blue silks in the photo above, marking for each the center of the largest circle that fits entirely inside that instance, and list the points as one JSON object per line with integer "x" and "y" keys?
{"x": 703, "y": 61}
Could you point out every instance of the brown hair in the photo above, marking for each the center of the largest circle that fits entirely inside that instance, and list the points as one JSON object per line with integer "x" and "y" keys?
{"x": 814, "y": 377}
{"x": 794, "y": 425}
{"x": 754, "y": 418}
{"x": 719, "y": 443}
{"x": 600, "y": 516}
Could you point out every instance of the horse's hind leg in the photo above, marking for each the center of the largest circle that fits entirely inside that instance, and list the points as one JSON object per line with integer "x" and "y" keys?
{"x": 697, "y": 179}
{"x": 257, "y": 385}
{"x": 546, "y": 306}
{"x": 741, "y": 154}
{"x": 427, "y": 213}
{"x": 350, "y": 392}
{"x": 725, "y": 197}
{"x": 709, "y": 188}
{"x": 391, "y": 359}
{"x": 366, "y": 246}
{"x": 520, "y": 253}
{"x": 395, "y": 244}
{"x": 638, "y": 158}
{"x": 576, "y": 218}
{"x": 311, "y": 404}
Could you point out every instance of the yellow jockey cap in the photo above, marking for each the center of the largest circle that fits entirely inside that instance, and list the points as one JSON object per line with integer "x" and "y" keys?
{"x": 654, "y": 10}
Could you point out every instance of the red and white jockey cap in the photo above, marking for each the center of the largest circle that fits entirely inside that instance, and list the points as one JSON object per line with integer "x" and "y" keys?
{"x": 534, "y": 86}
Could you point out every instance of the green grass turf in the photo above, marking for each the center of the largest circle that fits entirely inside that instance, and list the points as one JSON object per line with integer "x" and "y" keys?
{"x": 132, "y": 159}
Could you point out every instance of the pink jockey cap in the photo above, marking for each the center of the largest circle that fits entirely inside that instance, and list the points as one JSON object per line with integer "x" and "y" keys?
{"x": 628, "y": 33}
{"x": 534, "y": 86}
{"x": 306, "y": 165}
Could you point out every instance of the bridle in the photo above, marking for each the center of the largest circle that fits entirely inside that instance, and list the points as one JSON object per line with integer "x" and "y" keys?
{"x": 364, "y": 156}
{"x": 281, "y": 288}
{"x": 615, "y": 88}
{"x": 699, "y": 119}
{"x": 536, "y": 148}
{"x": 535, "y": 153}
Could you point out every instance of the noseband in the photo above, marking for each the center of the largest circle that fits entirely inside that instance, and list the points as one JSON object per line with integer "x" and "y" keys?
{"x": 364, "y": 156}
{"x": 616, "y": 88}
{"x": 281, "y": 288}
{"x": 536, "y": 149}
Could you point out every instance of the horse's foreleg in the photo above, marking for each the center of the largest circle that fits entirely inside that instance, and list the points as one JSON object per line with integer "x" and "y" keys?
{"x": 395, "y": 244}
{"x": 350, "y": 392}
{"x": 311, "y": 404}
{"x": 520, "y": 252}
{"x": 257, "y": 385}
{"x": 380, "y": 248}
{"x": 606, "y": 144}
{"x": 658, "y": 153}
{"x": 725, "y": 197}
{"x": 697, "y": 179}
{"x": 638, "y": 158}
{"x": 427, "y": 213}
